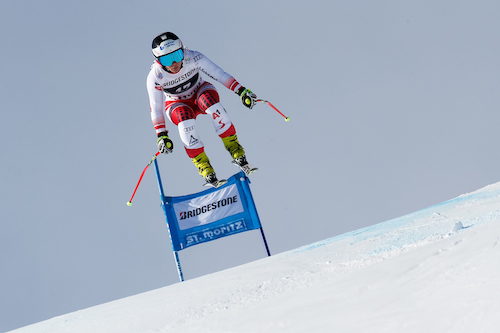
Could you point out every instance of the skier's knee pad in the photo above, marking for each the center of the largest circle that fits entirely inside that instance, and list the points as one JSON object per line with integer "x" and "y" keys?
{"x": 220, "y": 118}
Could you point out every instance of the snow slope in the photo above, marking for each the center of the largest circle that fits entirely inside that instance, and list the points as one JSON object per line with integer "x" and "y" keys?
{"x": 436, "y": 270}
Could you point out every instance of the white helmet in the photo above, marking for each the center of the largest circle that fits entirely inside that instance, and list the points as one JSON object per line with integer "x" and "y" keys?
{"x": 165, "y": 43}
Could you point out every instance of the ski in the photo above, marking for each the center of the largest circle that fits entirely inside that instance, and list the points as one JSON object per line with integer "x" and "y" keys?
{"x": 216, "y": 185}
{"x": 248, "y": 169}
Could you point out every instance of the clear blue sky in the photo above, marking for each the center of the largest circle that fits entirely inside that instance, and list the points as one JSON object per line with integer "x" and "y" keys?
{"x": 393, "y": 106}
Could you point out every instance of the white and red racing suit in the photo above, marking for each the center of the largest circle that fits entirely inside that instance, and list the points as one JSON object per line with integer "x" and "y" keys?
{"x": 184, "y": 95}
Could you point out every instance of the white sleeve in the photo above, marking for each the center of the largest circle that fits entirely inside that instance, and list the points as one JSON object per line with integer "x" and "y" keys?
{"x": 156, "y": 103}
{"x": 208, "y": 67}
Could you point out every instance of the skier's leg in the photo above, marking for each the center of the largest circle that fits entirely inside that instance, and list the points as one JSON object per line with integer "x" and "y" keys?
{"x": 230, "y": 140}
{"x": 182, "y": 115}
{"x": 229, "y": 137}
{"x": 208, "y": 101}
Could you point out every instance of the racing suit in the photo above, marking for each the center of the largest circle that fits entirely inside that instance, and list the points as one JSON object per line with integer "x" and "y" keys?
{"x": 184, "y": 95}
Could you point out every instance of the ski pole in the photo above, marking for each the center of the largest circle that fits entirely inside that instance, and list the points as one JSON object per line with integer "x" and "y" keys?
{"x": 267, "y": 102}
{"x": 129, "y": 203}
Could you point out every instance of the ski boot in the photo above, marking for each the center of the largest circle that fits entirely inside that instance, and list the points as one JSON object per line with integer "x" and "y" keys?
{"x": 238, "y": 154}
{"x": 205, "y": 170}
{"x": 211, "y": 180}
{"x": 246, "y": 167}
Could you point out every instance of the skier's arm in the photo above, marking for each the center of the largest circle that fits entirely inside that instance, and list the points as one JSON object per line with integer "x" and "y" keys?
{"x": 215, "y": 72}
{"x": 248, "y": 98}
{"x": 156, "y": 104}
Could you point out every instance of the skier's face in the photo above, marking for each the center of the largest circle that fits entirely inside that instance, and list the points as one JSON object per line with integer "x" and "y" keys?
{"x": 175, "y": 67}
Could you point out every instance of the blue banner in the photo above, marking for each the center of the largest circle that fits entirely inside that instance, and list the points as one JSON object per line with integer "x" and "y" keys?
{"x": 211, "y": 214}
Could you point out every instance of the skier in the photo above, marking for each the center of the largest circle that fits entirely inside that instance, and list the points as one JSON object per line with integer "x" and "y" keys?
{"x": 176, "y": 89}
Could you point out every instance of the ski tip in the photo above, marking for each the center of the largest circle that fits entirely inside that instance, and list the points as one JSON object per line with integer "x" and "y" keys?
{"x": 253, "y": 170}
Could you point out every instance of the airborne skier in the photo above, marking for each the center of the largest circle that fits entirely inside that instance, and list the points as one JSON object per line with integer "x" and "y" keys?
{"x": 176, "y": 89}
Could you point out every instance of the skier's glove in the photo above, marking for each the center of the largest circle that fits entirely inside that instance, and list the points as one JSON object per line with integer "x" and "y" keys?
{"x": 165, "y": 145}
{"x": 247, "y": 97}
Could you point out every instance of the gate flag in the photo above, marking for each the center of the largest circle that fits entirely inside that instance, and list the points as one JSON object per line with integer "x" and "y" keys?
{"x": 211, "y": 214}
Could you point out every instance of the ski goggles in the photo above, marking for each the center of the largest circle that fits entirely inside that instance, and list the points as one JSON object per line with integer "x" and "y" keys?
{"x": 169, "y": 59}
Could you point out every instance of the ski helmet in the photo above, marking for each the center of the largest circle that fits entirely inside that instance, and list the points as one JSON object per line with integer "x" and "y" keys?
{"x": 165, "y": 43}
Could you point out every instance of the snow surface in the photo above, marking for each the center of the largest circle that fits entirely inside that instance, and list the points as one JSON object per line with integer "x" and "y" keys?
{"x": 436, "y": 270}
